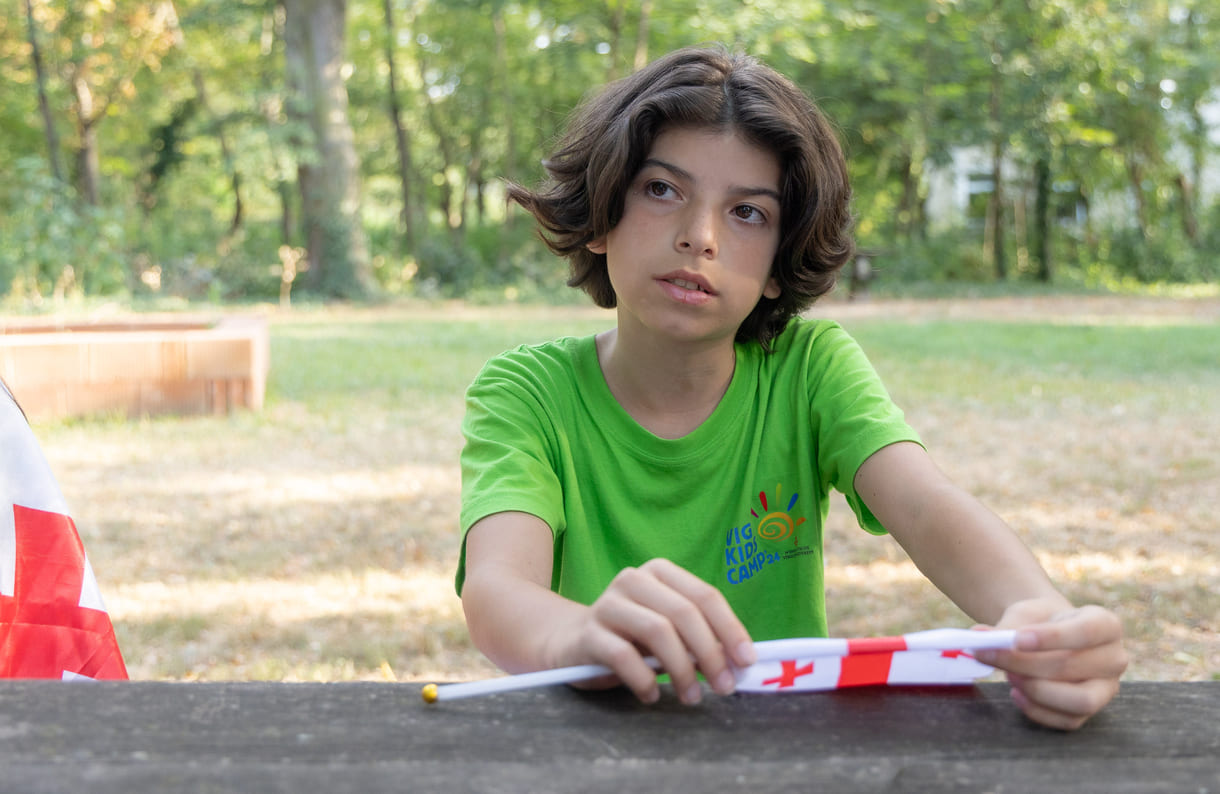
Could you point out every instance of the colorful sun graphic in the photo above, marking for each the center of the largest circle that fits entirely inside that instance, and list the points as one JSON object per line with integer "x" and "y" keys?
{"x": 777, "y": 525}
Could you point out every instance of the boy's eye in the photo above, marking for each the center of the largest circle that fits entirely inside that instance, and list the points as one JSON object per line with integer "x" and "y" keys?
{"x": 748, "y": 213}
{"x": 657, "y": 189}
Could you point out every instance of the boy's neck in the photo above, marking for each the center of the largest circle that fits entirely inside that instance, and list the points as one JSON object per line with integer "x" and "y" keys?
{"x": 670, "y": 390}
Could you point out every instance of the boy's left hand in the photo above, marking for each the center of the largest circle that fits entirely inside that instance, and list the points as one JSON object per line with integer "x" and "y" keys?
{"x": 1067, "y": 661}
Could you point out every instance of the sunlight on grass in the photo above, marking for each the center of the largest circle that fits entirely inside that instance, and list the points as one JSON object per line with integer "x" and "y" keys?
{"x": 415, "y": 616}
{"x": 429, "y": 592}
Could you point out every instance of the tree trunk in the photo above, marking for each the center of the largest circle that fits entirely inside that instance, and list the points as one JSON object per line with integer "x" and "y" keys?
{"x": 1042, "y": 218}
{"x": 1020, "y": 231}
{"x": 641, "y": 36}
{"x": 505, "y": 84}
{"x": 993, "y": 234}
{"x": 909, "y": 221}
{"x": 1135, "y": 175}
{"x": 617, "y": 11}
{"x": 88, "y": 170}
{"x": 445, "y": 145}
{"x": 474, "y": 166}
{"x": 273, "y": 31}
{"x": 473, "y": 177}
{"x": 995, "y": 202}
{"x": 226, "y": 154}
{"x": 1196, "y": 143}
{"x": 1186, "y": 194}
{"x": 314, "y": 35}
{"x": 44, "y": 105}
{"x": 401, "y": 140}
{"x": 504, "y": 79}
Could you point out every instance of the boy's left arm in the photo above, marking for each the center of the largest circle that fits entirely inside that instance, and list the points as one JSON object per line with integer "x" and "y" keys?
{"x": 1068, "y": 659}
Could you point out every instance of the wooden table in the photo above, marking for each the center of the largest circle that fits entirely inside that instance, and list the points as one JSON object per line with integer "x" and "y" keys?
{"x": 269, "y": 737}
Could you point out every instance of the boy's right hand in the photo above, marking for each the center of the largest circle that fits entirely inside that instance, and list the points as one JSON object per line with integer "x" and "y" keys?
{"x": 660, "y": 609}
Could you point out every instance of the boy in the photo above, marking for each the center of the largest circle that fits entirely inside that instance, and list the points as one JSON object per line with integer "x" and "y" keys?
{"x": 659, "y": 488}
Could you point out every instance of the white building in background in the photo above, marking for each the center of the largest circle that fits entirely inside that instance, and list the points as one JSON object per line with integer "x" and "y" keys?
{"x": 957, "y": 193}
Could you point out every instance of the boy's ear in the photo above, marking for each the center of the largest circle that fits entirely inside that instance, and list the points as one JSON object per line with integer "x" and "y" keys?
{"x": 597, "y": 246}
{"x": 772, "y": 290}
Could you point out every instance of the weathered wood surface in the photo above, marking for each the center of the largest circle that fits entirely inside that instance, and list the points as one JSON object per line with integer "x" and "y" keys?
{"x": 269, "y": 737}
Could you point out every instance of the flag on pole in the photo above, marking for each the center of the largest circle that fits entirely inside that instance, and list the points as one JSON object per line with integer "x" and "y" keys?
{"x": 816, "y": 664}
{"x": 936, "y": 657}
{"x": 53, "y": 623}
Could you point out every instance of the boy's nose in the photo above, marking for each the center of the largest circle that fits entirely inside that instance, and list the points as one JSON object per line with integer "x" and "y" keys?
{"x": 698, "y": 233}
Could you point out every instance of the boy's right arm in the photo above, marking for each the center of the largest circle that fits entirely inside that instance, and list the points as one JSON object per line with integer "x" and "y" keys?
{"x": 658, "y": 609}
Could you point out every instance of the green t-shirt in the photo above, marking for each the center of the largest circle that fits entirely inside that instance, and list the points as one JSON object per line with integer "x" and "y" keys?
{"x": 740, "y": 501}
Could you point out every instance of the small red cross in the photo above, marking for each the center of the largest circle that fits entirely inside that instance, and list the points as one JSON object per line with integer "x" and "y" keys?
{"x": 43, "y": 629}
{"x": 789, "y": 672}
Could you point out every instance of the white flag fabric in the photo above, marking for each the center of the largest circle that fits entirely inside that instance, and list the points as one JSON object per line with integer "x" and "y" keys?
{"x": 53, "y": 623}
{"x": 936, "y": 657}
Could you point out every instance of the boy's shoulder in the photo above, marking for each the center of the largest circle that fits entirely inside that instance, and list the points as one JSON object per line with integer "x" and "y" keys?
{"x": 803, "y": 333}
{"x": 562, "y": 359}
{"x": 808, "y": 347}
{"x": 562, "y": 350}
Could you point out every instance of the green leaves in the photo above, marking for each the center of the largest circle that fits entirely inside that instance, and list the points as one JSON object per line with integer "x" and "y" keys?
{"x": 54, "y": 244}
{"x": 1104, "y": 100}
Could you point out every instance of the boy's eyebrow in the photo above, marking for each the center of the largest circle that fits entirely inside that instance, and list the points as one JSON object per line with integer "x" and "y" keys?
{"x": 741, "y": 190}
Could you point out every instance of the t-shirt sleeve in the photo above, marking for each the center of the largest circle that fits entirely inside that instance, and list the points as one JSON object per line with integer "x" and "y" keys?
{"x": 854, "y": 416}
{"x": 507, "y": 461}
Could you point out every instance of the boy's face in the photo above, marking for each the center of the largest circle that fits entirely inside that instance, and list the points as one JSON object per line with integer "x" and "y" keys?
{"x": 692, "y": 254}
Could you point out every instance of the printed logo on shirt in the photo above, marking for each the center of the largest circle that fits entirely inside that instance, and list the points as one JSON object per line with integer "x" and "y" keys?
{"x": 773, "y": 536}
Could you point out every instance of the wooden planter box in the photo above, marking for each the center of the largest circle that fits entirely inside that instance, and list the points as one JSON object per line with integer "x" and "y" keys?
{"x": 138, "y": 367}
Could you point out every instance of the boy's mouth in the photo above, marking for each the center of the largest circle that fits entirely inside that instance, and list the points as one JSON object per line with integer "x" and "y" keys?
{"x": 684, "y": 284}
{"x": 687, "y": 288}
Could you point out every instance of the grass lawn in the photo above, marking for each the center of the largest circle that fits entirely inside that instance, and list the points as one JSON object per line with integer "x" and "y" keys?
{"x": 316, "y": 540}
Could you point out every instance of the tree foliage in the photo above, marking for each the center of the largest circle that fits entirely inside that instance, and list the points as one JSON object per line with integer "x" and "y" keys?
{"x": 193, "y": 152}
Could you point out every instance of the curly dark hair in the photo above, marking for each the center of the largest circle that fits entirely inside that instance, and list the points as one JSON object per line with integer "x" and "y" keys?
{"x": 610, "y": 136}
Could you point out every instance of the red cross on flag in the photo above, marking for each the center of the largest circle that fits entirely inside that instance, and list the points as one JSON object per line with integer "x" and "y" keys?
{"x": 53, "y": 623}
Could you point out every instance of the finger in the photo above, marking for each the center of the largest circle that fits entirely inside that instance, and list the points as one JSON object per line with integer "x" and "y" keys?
{"x": 1086, "y": 627}
{"x": 1059, "y": 704}
{"x": 1106, "y": 661}
{"x": 1044, "y": 716}
{"x": 608, "y": 648}
{"x": 639, "y": 607}
{"x": 638, "y": 631}
{"x": 727, "y": 628}
{"x": 1029, "y": 612}
{"x": 709, "y": 628}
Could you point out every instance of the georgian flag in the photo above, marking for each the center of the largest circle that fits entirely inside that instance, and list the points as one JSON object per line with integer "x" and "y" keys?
{"x": 936, "y": 657}
{"x": 53, "y": 623}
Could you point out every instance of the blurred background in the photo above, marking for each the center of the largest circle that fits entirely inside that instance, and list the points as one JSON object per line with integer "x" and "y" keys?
{"x": 238, "y": 149}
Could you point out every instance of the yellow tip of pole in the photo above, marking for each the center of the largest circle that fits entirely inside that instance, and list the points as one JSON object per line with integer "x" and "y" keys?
{"x": 429, "y": 693}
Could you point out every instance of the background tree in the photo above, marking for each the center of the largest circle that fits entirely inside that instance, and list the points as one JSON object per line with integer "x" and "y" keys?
{"x": 44, "y": 106}
{"x": 327, "y": 173}
{"x": 103, "y": 47}
{"x": 401, "y": 137}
